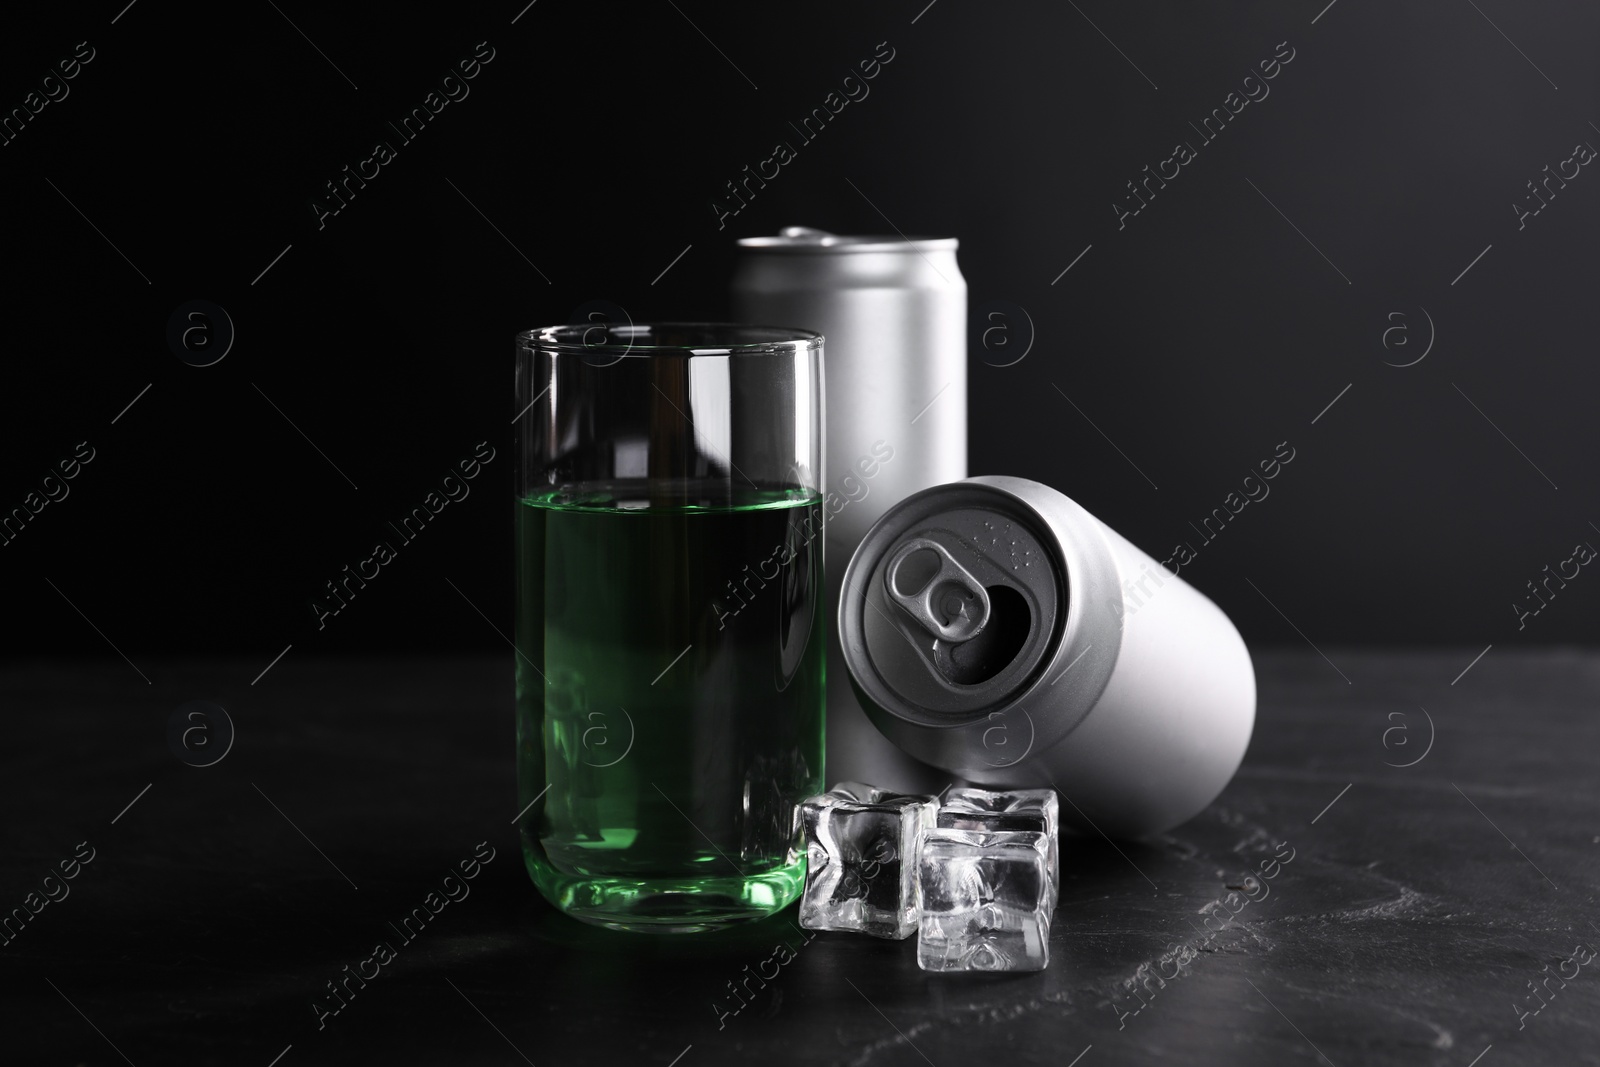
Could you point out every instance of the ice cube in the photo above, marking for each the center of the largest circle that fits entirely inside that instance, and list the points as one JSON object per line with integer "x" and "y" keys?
{"x": 985, "y": 901}
{"x": 990, "y": 811}
{"x": 862, "y": 845}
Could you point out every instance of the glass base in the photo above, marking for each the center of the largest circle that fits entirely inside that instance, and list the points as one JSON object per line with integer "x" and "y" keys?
{"x": 669, "y": 905}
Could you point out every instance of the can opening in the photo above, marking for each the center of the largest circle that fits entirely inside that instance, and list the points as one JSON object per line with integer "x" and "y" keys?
{"x": 992, "y": 650}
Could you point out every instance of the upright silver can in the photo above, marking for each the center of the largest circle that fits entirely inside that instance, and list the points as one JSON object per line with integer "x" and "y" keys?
{"x": 894, "y": 315}
{"x": 998, "y": 630}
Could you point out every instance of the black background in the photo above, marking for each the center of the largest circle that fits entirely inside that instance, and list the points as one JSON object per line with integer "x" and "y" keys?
{"x": 1196, "y": 338}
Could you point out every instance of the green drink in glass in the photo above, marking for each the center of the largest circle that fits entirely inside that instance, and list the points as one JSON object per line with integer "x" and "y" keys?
{"x": 670, "y": 625}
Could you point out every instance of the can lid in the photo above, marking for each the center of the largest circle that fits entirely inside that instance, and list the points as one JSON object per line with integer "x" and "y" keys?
{"x": 962, "y": 606}
{"x": 806, "y": 239}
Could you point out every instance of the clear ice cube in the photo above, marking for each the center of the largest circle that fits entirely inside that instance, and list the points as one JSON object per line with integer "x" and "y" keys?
{"x": 999, "y": 811}
{"x": 985, "y": 901}
{"x": 862, "y": 845}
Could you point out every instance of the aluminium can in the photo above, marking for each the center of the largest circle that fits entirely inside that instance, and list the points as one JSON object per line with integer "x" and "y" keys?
{"x": 995, "y": 629}
{"x": 893, "y": 311}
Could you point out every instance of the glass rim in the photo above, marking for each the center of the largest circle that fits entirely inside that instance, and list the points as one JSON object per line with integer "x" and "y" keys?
{"x": 722, "y": 339}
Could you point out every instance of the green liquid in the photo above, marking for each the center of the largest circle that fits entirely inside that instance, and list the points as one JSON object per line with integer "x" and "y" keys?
{"x": 669, "y": 699}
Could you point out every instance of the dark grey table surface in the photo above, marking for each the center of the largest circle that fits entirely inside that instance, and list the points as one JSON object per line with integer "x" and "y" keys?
{"x": 1419, "y": 913}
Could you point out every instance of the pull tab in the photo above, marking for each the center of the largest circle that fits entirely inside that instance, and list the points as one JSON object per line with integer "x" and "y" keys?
{"x": 803, "y": 231}
{"x": 927, "y": 582}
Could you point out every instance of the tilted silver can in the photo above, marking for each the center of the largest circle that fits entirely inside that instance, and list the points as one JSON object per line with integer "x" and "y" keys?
{"x": 894, "y": 315}
{"x": 996, "y": 629}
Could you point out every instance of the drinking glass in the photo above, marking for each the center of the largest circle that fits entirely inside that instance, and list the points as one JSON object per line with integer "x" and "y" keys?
{"x": 669, "y": 618}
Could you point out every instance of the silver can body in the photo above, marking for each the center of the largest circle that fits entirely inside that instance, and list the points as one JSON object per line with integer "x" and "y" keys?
{"x": 894, "y": 316}
{"x": 997, "y": 630}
